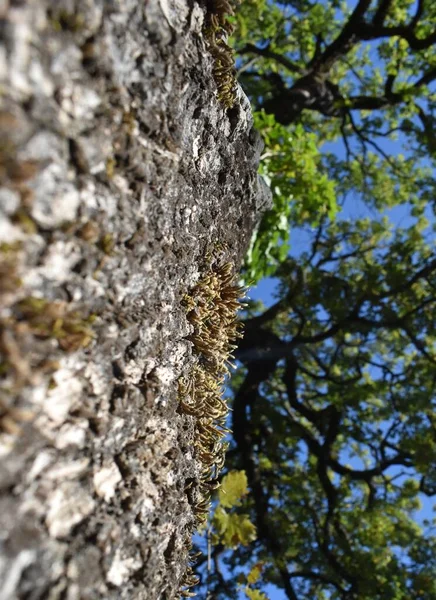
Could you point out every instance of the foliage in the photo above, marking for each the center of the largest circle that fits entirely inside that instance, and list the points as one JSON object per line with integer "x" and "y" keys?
{"x": 299, "y": 62}
{"x": 334, "y": 405}
{"x": 233, "y": 530}
{"x": 290, "y": 168}
{"x": 254, "y": 594}
{"x": 233, "y": 488}
{"x": 229, "y": 527}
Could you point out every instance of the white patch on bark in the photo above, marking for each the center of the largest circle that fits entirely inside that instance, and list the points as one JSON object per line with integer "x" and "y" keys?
{"x": 121, "y": 569}
{"x": 56, "y": 201}
{"x": 10, "y": 573}
{"x": 68, "y": 505}
{"x": 10, "y": 233}
{"x": 40, "y": 463}
{"x": 67, "y": 391}
{"x": 97, "y": 378}
{"x": 72, "y": 434}
{"x": 106, "y": 481}
{"x": 68, "y": 470}
{"x": 9, "y": 201}
{"x": 60, "y": 259}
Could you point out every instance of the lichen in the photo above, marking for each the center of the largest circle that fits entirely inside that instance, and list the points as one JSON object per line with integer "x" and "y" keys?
{"x": 217, "y": 30}
{"x": 211, "y": 308}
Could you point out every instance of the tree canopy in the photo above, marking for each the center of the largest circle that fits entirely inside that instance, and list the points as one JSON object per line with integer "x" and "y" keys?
{"x": 334, "y": 421}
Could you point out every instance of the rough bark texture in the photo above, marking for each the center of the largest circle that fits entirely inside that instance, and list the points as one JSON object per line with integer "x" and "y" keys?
{"x": 120, "y": 171}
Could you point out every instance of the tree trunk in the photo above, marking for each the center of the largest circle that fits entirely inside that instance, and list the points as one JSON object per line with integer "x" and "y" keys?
{"x": 121, "y": 173}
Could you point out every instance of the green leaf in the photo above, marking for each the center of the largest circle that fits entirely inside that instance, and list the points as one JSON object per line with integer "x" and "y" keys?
{"x": 233, "y": 488}
{"x": 255, "y": 573}
{"x": 233, "y": 529}
{"x": 253, "y": 594}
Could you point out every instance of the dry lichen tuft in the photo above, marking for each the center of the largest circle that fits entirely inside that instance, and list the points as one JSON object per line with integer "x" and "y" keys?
{"x": 212, "y": 310}
{"x": 217, "y": 31}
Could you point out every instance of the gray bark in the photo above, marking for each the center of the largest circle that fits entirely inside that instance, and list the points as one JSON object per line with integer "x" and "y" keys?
{"x": 120, "y": 171}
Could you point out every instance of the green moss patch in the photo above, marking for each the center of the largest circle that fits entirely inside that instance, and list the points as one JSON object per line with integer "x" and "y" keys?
{"x": 211, "y": 308}
{"x": 217, "y": 30}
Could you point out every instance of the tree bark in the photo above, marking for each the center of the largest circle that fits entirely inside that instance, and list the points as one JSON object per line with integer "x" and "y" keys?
{"x": 120, "y": 173}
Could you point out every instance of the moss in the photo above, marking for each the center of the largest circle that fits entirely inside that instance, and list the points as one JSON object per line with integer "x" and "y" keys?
{"x": 29, "y": 320}
{"x": 129, "y": 121}
{"x": 89, "y": 232}
{"x": 217, "y": 30}
{"x": 15, "y": 173}
{"x": 110, "y": 167}
{"x": 62, "y": 20}
{"x": 14, "y": 370}
{"x": 22, "y": 218}
{"x": 9, "y": 278}
{"x": 45, "y": 319}
{"x": 211, "y": 308}
{"x": 107, "y": 243}
{"x": 11, "y": 418}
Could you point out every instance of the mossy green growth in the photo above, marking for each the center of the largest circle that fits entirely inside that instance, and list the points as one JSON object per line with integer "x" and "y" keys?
{"x": 110, "y": 167}
{"x": 211, "y": 308}
{"x": 29, "y": 320}
{"x": 9, "y": 279}
{"x": 25, "y": 221}
{"x": 107, "y": 243}
{"x": 62, "y": 20}
{"x": 217, "y": 30}
{"x": 46, "y": 319}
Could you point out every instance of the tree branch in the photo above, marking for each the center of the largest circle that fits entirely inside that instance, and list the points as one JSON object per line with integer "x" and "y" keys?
{"x": 370, "y": 32}
{"x": 345, "y": 41}
{"x": 319, "y": 577}
{"x": 381, "y": 12}
{"x": 292, "y": 66}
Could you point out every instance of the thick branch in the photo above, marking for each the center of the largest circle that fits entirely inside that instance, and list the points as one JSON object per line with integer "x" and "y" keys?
{"x": 381, "y": 12}
{"x": 348, "y": 37}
